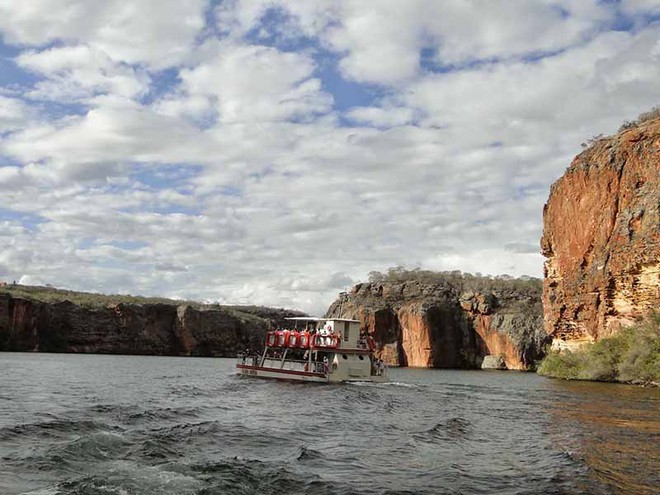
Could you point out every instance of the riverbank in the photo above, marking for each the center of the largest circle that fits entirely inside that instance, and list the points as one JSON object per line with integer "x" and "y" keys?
{"x": 631, "y": 356}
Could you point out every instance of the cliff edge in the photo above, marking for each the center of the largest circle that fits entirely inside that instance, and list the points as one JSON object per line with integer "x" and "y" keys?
{"x": 28, "y": 324}
{"x": 601, "y": 238}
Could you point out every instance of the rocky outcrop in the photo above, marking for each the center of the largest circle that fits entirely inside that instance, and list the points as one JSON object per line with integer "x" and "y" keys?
{"x": 442, "y": 325}
{"x": 601, "y": 238}
{"x": 155, "y": 329}
{"x": 493, "y": 363}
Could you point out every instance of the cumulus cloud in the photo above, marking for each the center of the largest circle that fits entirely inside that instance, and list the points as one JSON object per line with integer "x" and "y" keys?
{"x": 290, "y": 148}
{"x": 75, "y": 72}
{"x": 382, "y": 117}
{"x": 157, "y": 34}
{"x": 382, "y": 42}
{"x": 257, "y": 83}
{"x": 14, "y": 114}
{"x": 648, "y": 7}
{"x": 114, "y": 131}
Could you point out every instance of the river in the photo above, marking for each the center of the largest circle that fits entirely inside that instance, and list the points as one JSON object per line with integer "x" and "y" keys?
{"x": 96, "y": 424}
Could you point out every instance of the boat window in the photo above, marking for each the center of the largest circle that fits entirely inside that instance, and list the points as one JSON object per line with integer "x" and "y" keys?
{"x": 347, "y": 326}
{"x": 361, "y": 357}
{"x": 344, "y": 356}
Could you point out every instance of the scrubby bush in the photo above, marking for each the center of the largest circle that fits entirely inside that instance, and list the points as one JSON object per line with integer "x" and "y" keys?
{"x": 566, "y": 365}
{"x": 461, "y": 281}
{"x": 632, "y": 355}
{"x": 654, "y": 113}
{"x": 641, "y": 362}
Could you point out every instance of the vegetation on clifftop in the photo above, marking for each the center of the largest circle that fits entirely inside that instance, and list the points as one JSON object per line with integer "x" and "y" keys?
{"x": 630, "y": 356}
{"x": 643, "y": 117}
{"x": 654, "y": 113}
{"x": 52, "y": 295}
{"x": 463, "y": 281}
{"x": 91, "y": 300}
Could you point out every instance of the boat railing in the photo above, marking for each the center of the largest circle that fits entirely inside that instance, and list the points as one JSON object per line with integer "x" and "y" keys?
{"x": 316, "y": 366}
{"x": 247, "y": 359}
{"x": 295, "y": 365}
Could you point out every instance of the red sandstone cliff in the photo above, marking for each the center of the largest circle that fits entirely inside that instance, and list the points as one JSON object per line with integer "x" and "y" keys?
{"x": 601, "y": 237}
{"x": 445, "y": 325}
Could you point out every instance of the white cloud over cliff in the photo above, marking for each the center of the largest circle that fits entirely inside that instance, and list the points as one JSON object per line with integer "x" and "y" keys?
{"x": 272, "y": 152}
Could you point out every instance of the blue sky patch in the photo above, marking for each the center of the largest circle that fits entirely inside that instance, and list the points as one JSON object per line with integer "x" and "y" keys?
{"x": 270, "y": 30}
{"x": 28, "y": 221}
{"x": 162, "y": 82}
{"x": 11, "y": 75}
{"x": 346, "y": 94}
{"x": 175, "y": 176}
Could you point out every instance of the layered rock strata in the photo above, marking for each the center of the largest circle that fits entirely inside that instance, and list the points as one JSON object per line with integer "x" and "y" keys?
{"x": 442, "y": 326}
{"x": 152, "y": 329}
{"x": 601, "y": 238}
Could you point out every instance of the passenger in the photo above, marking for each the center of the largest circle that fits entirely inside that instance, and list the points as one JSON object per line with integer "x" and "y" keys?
{"x": 381, "y": 367}
{"x": 325, "y": 364}
{"x": 374, "y": 367}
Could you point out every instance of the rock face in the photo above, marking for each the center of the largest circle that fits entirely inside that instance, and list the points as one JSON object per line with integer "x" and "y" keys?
{"x": 440, "y": 325}
{"x": 156, "y": 329}
{"x": 601, "y": 238}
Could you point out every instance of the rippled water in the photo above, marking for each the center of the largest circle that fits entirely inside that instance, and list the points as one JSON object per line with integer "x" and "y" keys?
{"x": 84, "y": 424}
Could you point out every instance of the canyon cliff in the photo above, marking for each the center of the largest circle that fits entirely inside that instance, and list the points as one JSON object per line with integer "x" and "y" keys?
{"x": 601, "y": 238}
{"x": 450, "y": 322}
{"x": 126, "y": 328}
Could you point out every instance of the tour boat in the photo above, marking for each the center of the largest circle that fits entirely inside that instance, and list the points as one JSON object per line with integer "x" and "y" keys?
{"x": 322, "y": 350}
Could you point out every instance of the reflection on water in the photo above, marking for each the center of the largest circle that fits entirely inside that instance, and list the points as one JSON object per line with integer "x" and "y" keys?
{"x": 84, "y": 424}
{"x": 616, "y": 431}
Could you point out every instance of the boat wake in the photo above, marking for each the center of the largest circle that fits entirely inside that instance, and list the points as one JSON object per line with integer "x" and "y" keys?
{"x": 384, "y": 385}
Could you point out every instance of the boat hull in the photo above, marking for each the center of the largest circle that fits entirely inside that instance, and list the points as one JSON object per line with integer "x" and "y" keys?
{"x": 302, "y": 376}
{"x": 281, "y": 374}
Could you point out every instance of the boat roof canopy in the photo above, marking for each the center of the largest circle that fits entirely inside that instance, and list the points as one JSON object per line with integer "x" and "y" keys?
{"x": 316, "y": 318}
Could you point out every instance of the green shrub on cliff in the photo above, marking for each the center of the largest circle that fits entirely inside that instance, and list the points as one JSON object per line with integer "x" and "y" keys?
{"x": 632, "y": 356}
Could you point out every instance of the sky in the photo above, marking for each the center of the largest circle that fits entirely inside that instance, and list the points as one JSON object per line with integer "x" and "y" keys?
{"x": 275, "y": 152}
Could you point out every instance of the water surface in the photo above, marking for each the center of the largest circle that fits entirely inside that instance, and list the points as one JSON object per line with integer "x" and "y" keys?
{"x": 92, "y": 424}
